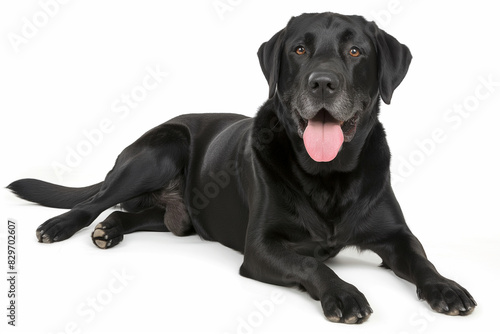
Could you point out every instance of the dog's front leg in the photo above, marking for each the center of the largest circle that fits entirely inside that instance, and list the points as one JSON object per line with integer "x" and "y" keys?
{"x": 403, "y": 253}
{"x": 269, "y": 260}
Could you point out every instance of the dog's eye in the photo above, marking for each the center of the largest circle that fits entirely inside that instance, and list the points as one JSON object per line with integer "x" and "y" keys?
{"x": 300, "y": 50}
{"x": 354, "y": 52}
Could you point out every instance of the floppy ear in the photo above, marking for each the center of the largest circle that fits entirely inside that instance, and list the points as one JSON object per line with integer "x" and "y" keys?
{"x": 393, "y": 61}
{"x": 269, "y": 57}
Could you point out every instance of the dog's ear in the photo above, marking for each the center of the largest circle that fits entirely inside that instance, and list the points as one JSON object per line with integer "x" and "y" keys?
{"x": 269, "y": 57}
{"x": 393, "y": 61}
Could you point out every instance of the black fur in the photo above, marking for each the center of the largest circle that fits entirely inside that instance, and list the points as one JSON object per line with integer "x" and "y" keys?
{"x": 52, "y": 195}
{"x": 250, "y": 184}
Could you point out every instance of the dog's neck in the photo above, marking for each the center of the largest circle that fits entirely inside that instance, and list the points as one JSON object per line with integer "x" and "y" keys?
{"x": 275, "y": 135}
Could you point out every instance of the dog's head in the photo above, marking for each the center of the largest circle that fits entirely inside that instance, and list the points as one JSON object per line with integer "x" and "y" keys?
{"x": 328, "y": 71}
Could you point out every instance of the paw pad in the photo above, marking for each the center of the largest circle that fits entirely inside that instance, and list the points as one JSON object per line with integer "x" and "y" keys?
{"x": 107, "y": 235}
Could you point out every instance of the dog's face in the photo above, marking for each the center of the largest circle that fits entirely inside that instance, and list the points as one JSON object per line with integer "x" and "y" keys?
{"x": 328, "y": 71}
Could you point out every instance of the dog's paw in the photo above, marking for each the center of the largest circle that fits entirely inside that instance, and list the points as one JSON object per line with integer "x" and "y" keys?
{"x": 107, "y": 234}
{"x": 346, "y": 305}
{"x": 448, "y": 297}
{"x": 62, "y": 227}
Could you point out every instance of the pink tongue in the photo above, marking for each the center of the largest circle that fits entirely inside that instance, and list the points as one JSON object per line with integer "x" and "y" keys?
{"x": 323, "y": 138}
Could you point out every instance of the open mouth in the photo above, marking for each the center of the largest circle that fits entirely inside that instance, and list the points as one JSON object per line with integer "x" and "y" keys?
{"x": 349, "y": 128}
{"x": 324, "y": 135}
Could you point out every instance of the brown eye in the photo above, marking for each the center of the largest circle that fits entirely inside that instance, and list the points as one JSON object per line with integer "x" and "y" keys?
{"x": 354, "y": 52}
{"x": 300, "y": 50}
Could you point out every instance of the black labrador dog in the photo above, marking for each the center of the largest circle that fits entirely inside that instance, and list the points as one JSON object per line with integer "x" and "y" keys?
{"x": 289, "y": 188}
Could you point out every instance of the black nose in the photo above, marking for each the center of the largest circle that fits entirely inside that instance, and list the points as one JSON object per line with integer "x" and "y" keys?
{"x": 323, "y": 84}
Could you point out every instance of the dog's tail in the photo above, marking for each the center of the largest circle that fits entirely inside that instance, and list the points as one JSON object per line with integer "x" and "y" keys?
{"x": 52, "y": 195}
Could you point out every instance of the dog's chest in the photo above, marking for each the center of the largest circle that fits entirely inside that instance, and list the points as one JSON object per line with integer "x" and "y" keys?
{"x": 326, "y": 213}
{"x": 320, "y": 239}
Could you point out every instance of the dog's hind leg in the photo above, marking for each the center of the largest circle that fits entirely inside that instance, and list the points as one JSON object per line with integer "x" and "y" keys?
{"x": 165, "y": 212}
{"x": 146, "y": 166}
{"x": 110, "y": 232}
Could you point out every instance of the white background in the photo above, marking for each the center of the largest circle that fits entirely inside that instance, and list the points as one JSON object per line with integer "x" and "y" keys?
{"x": 66, "y": 78}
